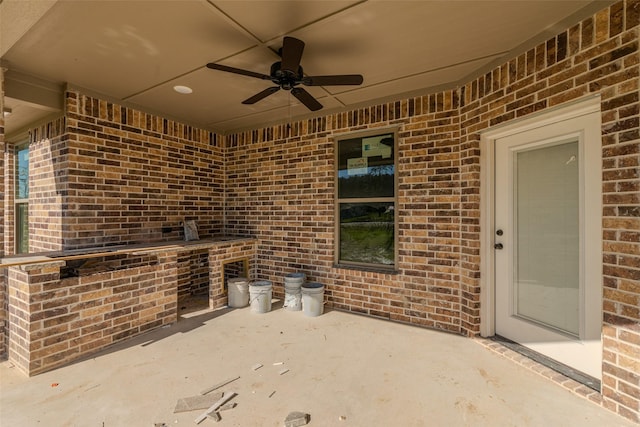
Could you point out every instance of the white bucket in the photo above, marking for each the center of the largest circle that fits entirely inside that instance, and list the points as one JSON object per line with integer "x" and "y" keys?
{"x": 312, "y": 299}
{"x": 260, "y": 296}
{"x": 294, "y": 280}
{"x": 238, "y": 292}
{"x": 292, "y": 294}
{"x": 292, "y": 298}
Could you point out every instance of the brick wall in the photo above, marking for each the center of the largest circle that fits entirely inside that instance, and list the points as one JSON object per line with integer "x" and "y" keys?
{"x": 2, "y": 148}
{"x": 599, "y": 55}
{"x": 103, "y": 174}
{"x": 60, "y": 311}
{"x": 114, "y": 175}
{"x": 48, "y": 150}
{"x": 8, "y": 173}
{"x": 54, "y": 320}
{"x": 228, "y": 253}
{"x": 193, "y": 273}
{"x": 280, "y": 188}
{"x": 3, "y": 283}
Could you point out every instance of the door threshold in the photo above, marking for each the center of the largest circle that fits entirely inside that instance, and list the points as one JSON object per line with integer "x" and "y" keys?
{"x": 567, "y": 371}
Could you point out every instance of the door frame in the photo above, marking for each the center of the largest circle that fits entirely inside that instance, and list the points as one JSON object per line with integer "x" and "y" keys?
{"x": 488, "y": 139}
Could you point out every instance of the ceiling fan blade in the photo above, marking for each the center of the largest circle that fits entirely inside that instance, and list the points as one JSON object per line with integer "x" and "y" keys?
{"x": 261, "y": 95}
{"x": 345, "y": 79}
{"x": 291, "y": 54}
{"x": 237, "y": 71}
{"x": 305, "y": 97}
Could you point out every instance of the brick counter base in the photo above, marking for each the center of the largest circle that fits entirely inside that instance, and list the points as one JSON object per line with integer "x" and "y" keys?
{"x": 55, "y": 320}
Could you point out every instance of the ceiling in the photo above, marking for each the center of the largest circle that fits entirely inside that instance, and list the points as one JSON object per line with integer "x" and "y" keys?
{"x": 135, "y": 52}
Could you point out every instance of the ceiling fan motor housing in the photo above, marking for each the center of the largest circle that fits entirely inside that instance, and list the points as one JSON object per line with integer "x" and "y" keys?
{"x": 286, "y": 79}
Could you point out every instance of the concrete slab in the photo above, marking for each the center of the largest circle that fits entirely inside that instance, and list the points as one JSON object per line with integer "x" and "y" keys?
{"x": 345, "y": 370}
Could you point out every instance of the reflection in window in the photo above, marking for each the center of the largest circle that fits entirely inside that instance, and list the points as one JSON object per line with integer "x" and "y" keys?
{"x": 22, "y": 228}
{"x": 366, "y": 200}
{"x": 22, "y": 199}
{"x": 366, "y": 233}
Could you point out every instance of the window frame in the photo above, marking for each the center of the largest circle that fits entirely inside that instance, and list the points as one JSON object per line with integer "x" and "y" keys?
{"x": 18, "y": 232}
{"x": 338, "y": 263}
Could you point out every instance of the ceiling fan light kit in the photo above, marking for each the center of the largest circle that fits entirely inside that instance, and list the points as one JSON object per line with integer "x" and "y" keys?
{"x": 287, "y": 74}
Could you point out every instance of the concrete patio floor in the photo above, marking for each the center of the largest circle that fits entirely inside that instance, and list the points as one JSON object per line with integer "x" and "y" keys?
{"x": 344, "y": 370}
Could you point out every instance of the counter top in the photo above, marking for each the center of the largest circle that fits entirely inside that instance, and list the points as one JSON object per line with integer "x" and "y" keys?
{"x": 58, "y": 259}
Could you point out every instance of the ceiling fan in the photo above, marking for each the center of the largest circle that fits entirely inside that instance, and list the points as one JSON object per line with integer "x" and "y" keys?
{"x": 287, "y": 74}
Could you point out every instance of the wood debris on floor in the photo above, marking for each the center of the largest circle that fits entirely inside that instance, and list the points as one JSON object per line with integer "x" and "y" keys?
{"x": 213, "y": 410}
{"x": 297, "y": 419}
{"x": 214, "y": 403}
{"x": 217, "y": 386}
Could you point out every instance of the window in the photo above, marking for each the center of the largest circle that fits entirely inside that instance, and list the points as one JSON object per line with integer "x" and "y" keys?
{"x": 22, "y": 199}
{"x": 366, "y": 200}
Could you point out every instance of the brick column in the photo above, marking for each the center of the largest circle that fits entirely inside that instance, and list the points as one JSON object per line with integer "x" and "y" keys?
{"x": 224, "y": 253}
{"x": 32, "y": 318}
{"x": 168, "y": 284}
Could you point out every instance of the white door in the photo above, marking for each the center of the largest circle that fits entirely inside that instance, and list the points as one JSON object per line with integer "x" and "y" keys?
{"x": 548, "y": 281}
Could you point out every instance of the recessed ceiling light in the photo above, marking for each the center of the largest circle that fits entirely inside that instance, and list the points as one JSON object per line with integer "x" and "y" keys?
{"x": 183, "y": 89}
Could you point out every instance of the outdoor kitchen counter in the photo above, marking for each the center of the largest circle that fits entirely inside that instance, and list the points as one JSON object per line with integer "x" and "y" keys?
{"x": 54, "y": 259}
{"x": 59, "y": 313}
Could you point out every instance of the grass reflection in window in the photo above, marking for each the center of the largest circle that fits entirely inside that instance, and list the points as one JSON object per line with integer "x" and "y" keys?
{"x": 366, "y": 200}
{"x": 367, "y": 233}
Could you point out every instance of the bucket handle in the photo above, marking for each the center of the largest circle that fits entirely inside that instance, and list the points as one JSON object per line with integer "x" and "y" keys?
{"x": 256, "y": 297}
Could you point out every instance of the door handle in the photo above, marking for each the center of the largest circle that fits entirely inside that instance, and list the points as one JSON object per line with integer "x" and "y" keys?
{"x": 498, "y": 246}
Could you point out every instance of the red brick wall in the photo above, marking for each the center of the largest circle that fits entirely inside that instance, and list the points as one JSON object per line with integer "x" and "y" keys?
{"x": 129, "y": 173}
{"x": 2, "y": 170}
{"x": 103, "y": 174}
{"x": 114, "y": 175}
{"x": 280, "y": 188}
{"x": 599, "y": 55}
{"x": 54, "y": 321}
{"x": 47, "y": 186}
{"x": 3, "y": 283}
{"x": 61, "y": 311}
{"x": 193, "y": 273}
{"x": 8, "y": 242}
{"x": 228, "y": 252}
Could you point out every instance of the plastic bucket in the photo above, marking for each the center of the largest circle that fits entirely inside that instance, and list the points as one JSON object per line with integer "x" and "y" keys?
{"x": 238, "y": 292}
{"x": 260, "y": 296}
{"x": 294, "y": 280}
{"x": 292, "y": 294}
{"x": 312, "y": 299}
{"x": 292, "y": 298}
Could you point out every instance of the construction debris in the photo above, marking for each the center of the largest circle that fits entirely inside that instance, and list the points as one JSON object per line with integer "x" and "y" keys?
{"x": 256, "y": 366}
{"x": 196, "y": 402}
{"x": 214, "y": 416}
{"x": 297, "y": 419}
{"x": 278, "y": 363}
{"x": 158, "y": 424}
{"x": 283, "y": 371}
{"x": 227, "y": 406}
{"x": 217, "y": 386}
{"x": 227, "y": 396}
